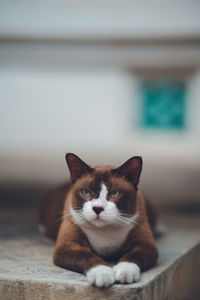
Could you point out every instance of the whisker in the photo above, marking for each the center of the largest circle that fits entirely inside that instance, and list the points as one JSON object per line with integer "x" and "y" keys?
{"x": 140, "y": 225}
{"x": 63, "y": 218}
{"x": 129, "y": 221}
{"x": 66, "y": 223}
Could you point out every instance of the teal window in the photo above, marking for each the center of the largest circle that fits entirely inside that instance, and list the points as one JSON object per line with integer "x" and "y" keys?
{"x": 163, "y": 104}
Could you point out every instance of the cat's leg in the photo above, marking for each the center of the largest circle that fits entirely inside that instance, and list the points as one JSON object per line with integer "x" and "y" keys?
{"x": 140, "y": 258}
{"x": 80, "y": 259}
{"x": 73, "y": 252}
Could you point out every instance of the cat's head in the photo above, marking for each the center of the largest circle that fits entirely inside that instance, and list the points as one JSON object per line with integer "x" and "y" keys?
{"x": 103, "y": 195}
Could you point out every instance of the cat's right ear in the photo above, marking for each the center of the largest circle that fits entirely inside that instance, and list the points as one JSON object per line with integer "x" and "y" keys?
{"x": 76, "y": 166}
{"x": 131, "y": 169}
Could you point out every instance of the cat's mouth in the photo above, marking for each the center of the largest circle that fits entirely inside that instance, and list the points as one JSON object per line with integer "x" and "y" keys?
{"x": 98, "y": 221}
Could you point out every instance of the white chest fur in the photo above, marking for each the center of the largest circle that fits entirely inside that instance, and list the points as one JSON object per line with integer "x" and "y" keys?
{"x": 106, "y": 241}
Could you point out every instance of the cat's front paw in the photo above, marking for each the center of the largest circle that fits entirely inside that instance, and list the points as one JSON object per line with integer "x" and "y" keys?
{"x": 126, "y": 272}
{"x": 101, "y": 276}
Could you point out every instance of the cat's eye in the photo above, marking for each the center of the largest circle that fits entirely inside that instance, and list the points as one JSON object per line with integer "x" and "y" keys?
{"x": 114, "y": 194}
{"x": 85, "y": 193}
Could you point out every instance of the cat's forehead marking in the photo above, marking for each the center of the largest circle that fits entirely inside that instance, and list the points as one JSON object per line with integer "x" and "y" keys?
{"x": 103, "y": 191}
{"x": 101, "y": 199}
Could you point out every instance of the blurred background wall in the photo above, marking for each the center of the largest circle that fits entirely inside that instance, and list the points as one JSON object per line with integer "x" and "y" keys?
{"x": 106, "y": 80}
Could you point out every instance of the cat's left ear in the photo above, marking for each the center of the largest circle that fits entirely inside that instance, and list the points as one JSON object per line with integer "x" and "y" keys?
{"x": 131, "y": 169}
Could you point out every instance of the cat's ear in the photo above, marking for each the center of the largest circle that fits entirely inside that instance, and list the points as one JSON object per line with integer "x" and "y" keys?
{"x": 131, "y": 169}
{"x": 76, "y": 166}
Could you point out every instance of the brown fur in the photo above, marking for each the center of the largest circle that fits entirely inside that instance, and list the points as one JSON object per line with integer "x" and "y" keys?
{"x": 73, "y": 250}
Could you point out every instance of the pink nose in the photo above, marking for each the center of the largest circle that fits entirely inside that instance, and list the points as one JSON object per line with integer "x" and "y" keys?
{"x": 97, "y": 209}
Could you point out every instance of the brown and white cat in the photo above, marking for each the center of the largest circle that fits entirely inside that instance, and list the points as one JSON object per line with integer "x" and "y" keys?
{"x": 102, "y": 223}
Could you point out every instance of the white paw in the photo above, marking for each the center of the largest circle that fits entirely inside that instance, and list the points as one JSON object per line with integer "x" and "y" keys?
{"x": 101, "y": 276}
{"x": 126, "y": 272}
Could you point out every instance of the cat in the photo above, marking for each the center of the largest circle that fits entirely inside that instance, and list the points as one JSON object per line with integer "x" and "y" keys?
{"x": 101, "y": 223}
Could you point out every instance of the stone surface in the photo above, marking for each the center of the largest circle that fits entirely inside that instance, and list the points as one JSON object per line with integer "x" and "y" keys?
{"x": 27, "y": 271}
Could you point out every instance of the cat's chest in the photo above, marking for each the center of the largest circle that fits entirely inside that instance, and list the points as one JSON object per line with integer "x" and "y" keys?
{"x": 106, "y": 241}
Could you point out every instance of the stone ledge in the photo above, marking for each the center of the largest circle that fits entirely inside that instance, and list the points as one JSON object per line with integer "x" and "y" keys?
{"x": 27, "y": 271}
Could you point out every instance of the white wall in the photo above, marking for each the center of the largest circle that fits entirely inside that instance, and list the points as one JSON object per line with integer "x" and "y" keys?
{"x": 46, "y": 113}
{"x": 41, "y": 109}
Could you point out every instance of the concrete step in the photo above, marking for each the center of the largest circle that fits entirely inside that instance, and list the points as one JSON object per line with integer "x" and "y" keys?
{"x": 27, "y": 271}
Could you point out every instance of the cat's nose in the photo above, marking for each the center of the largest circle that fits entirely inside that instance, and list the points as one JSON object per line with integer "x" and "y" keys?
{"x": 98, "y": 209}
